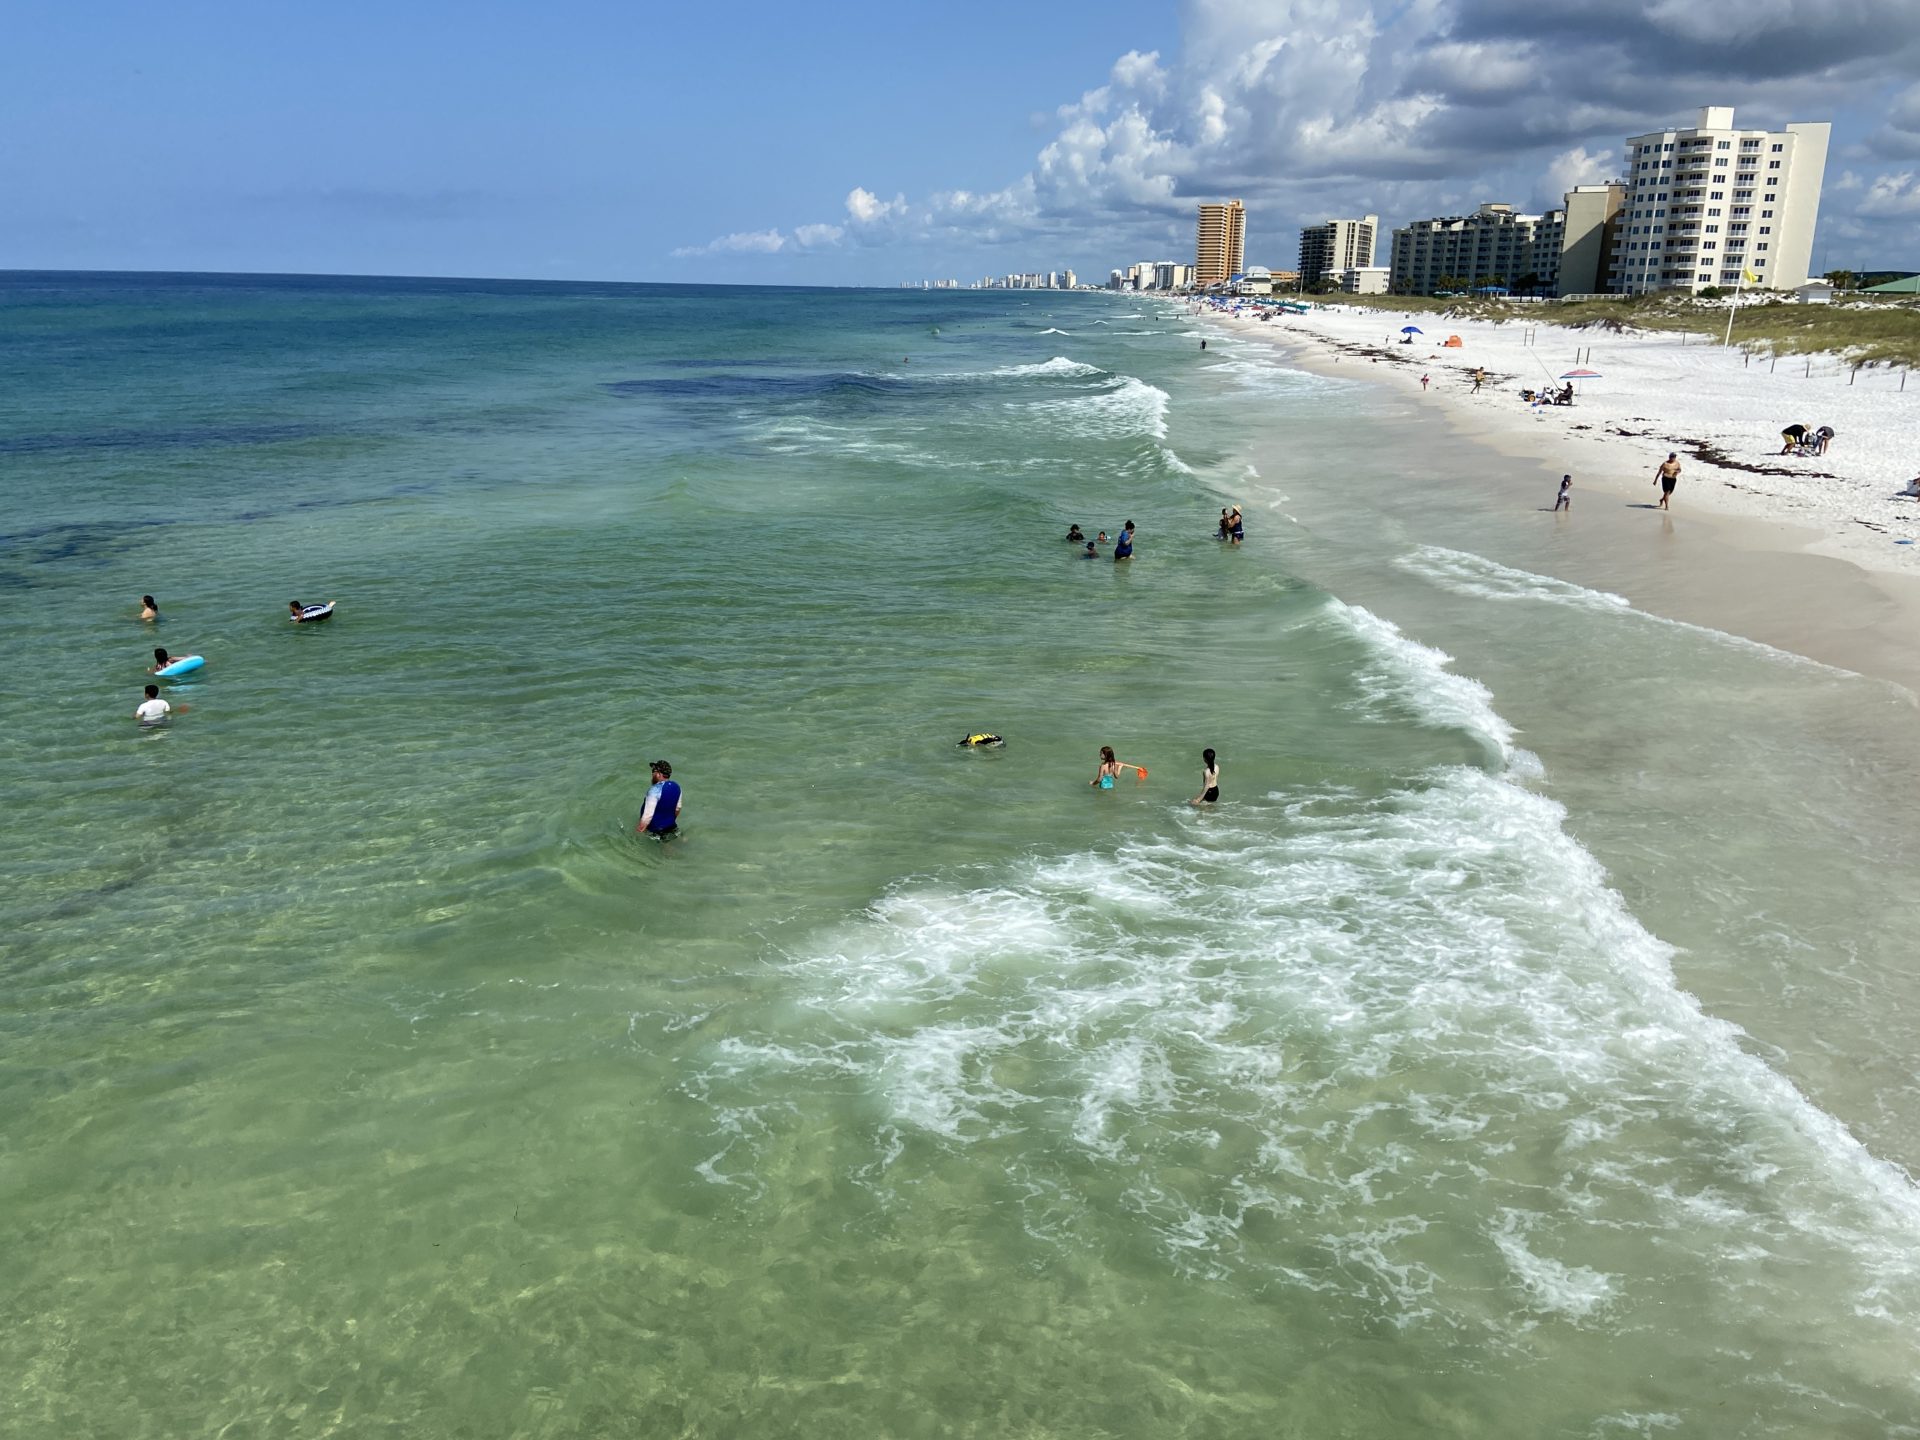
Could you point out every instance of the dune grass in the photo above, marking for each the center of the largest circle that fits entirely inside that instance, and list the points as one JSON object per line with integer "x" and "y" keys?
{"x": 1864, "y": 330}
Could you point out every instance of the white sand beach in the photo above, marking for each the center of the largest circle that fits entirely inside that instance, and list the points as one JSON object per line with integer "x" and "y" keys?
{"x": 1722, "y": 410}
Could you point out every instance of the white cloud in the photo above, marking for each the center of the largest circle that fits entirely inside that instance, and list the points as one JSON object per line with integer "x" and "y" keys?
{"x": 1311, "y": 108}
{"x": 1580, "y": 166}
{"x": 1895, "y": 194}
{"x": 817, "y": 237}
{"x": 867, "y": 208}
{"x": 741, "y": 242}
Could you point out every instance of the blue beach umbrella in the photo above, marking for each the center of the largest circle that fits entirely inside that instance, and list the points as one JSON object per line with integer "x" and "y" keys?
{"x": 1411, "y": 330}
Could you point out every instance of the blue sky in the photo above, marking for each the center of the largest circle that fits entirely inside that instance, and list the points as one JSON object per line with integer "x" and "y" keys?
{"x": 867, "y": 144}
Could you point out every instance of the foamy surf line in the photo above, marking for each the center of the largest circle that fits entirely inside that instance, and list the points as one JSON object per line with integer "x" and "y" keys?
{"x": 1423, "y": 1010}
{"x": 1475, "y": 576}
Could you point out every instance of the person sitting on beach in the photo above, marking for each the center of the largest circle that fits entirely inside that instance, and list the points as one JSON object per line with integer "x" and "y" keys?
{"x": 1913, "y": 488}
{"x": 1074, "y": 537}
{"x": 149, "y": 608}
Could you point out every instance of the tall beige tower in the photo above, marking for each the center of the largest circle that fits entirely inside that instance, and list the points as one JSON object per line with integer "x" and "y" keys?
{"x": 1708, "y": 204}
{"x": 1220, "y": 243}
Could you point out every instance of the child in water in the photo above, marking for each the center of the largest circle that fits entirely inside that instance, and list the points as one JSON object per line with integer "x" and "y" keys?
{"x": 1209, "y": 780}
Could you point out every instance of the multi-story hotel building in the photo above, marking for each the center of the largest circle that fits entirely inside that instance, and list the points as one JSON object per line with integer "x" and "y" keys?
{"x": 1710, "y": 202}
{"x": 1492, "y": 246}
{"x": 1562, "y": 252}
{"x": 1220, "y": 243}
{"x": 1337, "y": 246}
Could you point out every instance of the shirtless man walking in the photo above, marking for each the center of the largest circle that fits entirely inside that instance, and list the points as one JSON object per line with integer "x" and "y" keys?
{"x": 1666, "y": 476}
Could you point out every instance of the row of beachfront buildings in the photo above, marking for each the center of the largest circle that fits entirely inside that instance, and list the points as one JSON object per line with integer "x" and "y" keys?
{"x": 1707, "y": 205}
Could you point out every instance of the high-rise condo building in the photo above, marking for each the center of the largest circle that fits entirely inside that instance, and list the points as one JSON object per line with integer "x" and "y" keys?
{"x": 1220, "y": 243}
{"x": 1561, "y": 252}
{"x": 1336, "y": 246}
{"x": 1709, "y": 204}
{"x": 1492, "y": 246}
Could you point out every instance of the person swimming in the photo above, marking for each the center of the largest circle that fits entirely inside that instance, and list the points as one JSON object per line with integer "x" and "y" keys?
{"x": 1074, "y": 536}
{"x": 984, "y": 740}
{"x": 298, "y": 612}
{"x": 1091, "y": 552}
{"x": 161, "y": 660}
{"x": 149, "y": 608}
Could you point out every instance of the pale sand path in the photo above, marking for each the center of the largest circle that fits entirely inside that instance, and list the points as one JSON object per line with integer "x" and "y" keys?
{"x": 1804, "y": 560}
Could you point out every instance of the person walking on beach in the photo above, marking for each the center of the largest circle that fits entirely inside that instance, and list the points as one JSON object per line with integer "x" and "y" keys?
{"x": 1666, "y": 476}
{"x": 662, "y": 811}
{"x": 1479, "y": 379}
{"x": 1123, "y": 547}
{"x": 1423, "y": 381}
{"x": 1209, "y": 780}
{"x": 1564, "y": 501}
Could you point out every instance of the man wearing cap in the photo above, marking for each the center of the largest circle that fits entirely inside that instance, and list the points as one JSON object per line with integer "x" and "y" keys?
{"x": 662, "y": 812}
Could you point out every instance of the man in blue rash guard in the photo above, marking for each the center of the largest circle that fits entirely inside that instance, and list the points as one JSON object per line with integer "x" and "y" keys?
{"x": 662, "y": 810}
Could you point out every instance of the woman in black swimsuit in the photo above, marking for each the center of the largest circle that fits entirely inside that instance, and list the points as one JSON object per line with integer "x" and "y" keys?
{"x": 1209, "y": 781}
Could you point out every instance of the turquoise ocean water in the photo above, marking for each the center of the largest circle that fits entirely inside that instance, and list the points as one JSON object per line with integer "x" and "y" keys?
{"x": 1521, "y": 1049}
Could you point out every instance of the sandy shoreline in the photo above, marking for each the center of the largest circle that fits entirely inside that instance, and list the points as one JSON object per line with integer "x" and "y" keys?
{"x": 1797, "y": 553}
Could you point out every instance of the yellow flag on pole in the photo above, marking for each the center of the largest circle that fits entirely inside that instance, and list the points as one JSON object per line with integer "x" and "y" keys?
{"x": 1750, "y": 277}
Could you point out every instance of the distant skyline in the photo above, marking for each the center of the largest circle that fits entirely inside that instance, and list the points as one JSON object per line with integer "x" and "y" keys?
{"x": 869, "y": 144}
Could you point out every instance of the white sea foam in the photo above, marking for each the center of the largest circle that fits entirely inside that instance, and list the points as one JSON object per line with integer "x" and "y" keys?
{"x": 1058, "y": 365}
{"x": 1474, "y": 575}
{"x": 1128, "y": 408}
{"x": 1373, "y": 1017}
{"x": 1056, "y": 332}
{"x": 1415, "y": 678}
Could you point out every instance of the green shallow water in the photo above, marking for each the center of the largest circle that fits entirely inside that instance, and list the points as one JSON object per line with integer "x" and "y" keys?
{"x": 363, "y": 1074}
